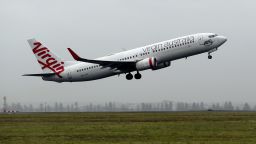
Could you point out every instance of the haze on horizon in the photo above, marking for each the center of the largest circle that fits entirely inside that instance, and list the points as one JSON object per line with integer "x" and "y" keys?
{"x": 95, "y": 28}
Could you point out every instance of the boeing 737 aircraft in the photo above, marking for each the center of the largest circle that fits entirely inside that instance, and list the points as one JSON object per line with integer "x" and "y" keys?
{"x": 155, "y": 56}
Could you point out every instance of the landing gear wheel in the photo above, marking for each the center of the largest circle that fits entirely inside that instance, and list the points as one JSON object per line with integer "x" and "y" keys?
{"x": 129, "y": 76}
{"x": 209, "y": 57}
{"x": 137, "y": 76}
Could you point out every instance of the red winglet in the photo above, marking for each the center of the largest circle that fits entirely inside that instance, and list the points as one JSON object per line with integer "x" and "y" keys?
{"x": 74, "y": 55}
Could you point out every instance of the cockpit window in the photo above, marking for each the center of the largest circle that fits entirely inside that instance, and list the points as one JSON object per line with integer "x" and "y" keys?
{"x": 212, "y": 36}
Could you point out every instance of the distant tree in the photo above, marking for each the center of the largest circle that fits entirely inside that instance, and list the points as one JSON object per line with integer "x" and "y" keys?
{"x": 76, "y": 107}
{"x": 186, "y": 106}
{"x": 110, "y": 106}
{"x": 48, "y": 108}
{"x": 25, "y": 108}
{"x": 90, "y": 108}
{"x": 158, "y": 107}
{"x": 218, "y": 107}
{"x": 202, "y": 106}
{"x": 72, "y": 109}
{"x": 194, "y": 107}
{"x": 162, "y": 107}
{"x": 246, "y": 107}
{"x": 68, "y": 108}
{"x": 56, "y": 107}
{"x": 19, "y": 107}
{"x": 170, "y": 106}
{"x": 149, "y": 107}
{"x": 225, "y": 107}
{"x": 61, "y": 107}
{"x": 213, "y": 107}
{"x": 31, "y": 108}
{"x": 230, "y": 106}
{"x": 143, "y": 107}
{"x": 41, "y": 107}
{"x": 180, "y": 106}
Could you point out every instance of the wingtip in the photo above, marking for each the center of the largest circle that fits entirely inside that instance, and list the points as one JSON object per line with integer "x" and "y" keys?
{"x": 74, "y": 55}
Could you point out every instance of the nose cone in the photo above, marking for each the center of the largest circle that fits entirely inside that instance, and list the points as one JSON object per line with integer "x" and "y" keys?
{"x": 222, "y": 39}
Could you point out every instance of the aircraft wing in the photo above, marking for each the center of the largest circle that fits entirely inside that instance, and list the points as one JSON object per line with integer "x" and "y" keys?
{"x": 121, "y": 65}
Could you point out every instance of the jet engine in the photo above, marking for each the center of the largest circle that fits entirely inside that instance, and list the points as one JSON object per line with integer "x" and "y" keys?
{"x": 148, "y": 63}
{"x": 162, "y": 65}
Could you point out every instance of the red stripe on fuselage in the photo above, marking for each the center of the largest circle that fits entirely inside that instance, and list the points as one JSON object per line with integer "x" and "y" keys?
{"x": 150, "y": 63}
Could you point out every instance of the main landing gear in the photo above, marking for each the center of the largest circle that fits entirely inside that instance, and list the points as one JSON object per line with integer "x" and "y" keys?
{"x": 137, "y": 75}
{"x": 129, "y": 76}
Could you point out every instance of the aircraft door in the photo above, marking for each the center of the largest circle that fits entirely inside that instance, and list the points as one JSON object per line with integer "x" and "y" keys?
{"x": 201, "y": 40}
{"x": 69, "y": 76}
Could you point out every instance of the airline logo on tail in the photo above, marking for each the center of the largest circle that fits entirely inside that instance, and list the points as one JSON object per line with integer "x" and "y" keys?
{"x": 47, "y": 60}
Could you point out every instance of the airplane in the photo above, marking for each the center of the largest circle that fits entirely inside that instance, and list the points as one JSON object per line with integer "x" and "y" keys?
{"x": 155, "y": 56}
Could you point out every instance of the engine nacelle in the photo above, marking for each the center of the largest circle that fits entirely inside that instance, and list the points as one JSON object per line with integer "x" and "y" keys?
{"x": 163, "y": 65}
{"x": 148, "y": 63}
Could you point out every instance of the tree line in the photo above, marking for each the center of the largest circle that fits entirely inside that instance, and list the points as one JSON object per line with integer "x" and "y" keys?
{"x": 164, "y": 106}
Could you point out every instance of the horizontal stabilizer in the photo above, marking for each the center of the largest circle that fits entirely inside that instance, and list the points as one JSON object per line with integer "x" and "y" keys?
{"x": 40, "y": 75}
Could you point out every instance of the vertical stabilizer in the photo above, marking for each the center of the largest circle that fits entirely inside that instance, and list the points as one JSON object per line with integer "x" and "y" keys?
{"x": 49, "y": 62}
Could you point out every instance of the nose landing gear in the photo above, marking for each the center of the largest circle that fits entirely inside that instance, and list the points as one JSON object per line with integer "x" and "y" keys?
{"x": 211, "y": 51}
{"x": 209, "y": 56}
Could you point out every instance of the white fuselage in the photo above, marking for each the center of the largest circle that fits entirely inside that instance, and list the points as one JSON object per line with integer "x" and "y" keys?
{"x": 165, "y": 51}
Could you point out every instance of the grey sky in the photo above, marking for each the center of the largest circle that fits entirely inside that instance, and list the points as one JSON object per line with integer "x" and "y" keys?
{"x": 98, "y": 27}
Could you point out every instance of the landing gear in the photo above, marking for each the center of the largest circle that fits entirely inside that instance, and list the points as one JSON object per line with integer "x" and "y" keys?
{"x": 209, "y": 56}
{"x": 211, "y": 51}
{"x": 137, "y": 75}
{"x": 129, "y": 76}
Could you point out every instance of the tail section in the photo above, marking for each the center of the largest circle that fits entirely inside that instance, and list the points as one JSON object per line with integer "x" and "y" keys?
{"x": 50, "y": 63}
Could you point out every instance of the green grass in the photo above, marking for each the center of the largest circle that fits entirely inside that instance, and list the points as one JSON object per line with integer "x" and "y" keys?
{"x": 129, "y": 128}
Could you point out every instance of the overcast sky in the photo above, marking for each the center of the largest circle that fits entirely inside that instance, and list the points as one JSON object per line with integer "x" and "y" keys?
{"x": 99, "y": 27}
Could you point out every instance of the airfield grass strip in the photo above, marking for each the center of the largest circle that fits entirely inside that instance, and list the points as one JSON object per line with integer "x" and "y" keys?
{"x": 128, "y": 128}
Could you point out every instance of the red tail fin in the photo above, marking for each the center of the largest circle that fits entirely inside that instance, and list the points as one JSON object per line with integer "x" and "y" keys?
{"x": 47, "y": 59}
